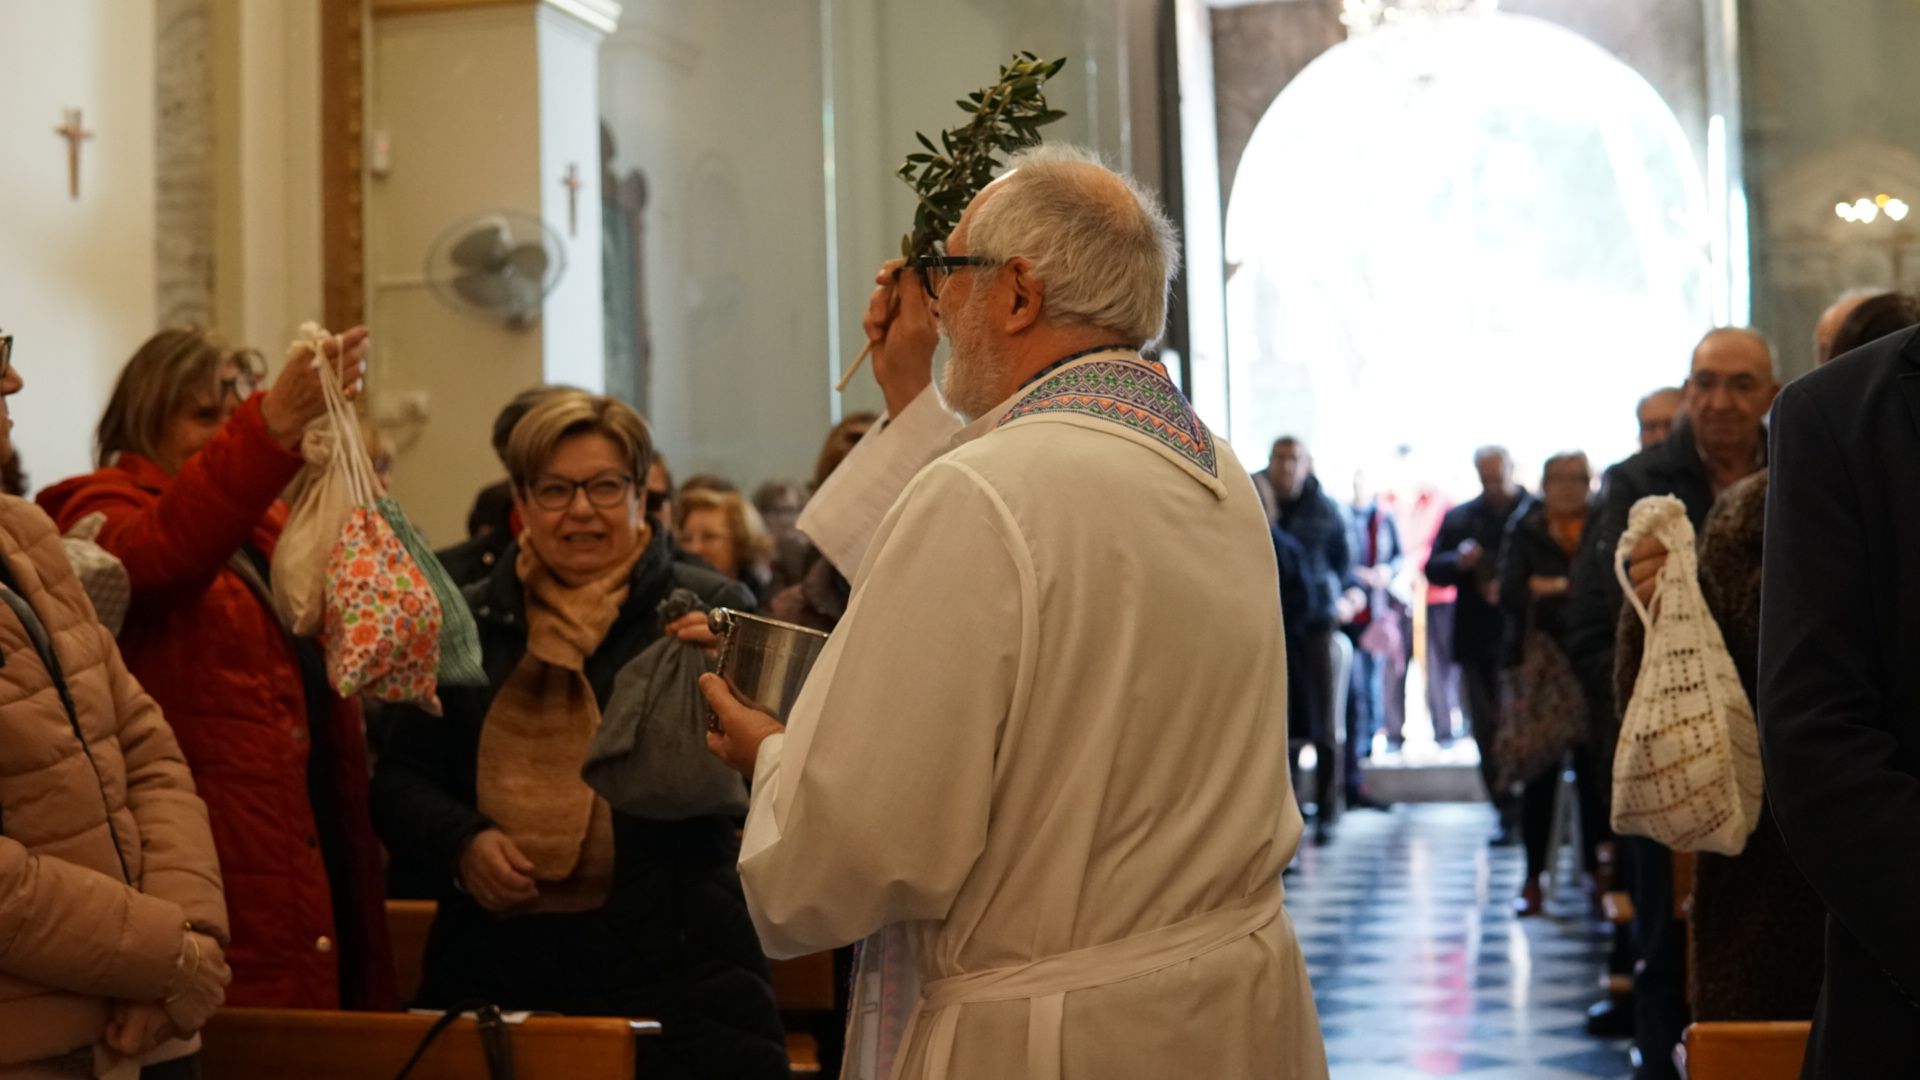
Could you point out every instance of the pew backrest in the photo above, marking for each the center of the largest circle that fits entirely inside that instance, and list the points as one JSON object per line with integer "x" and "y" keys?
{"x": 312, "y": 1044}
{"x": 1746, "y": 1051}
{"x": 407, "y": 924}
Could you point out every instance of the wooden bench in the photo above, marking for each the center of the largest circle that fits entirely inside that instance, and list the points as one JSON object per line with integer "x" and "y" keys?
{"x": 407, "y": 924}
{"x": 1746, "y": 1051}
{"x": 312, "y": 1044}
{"x": 803, "y": 988}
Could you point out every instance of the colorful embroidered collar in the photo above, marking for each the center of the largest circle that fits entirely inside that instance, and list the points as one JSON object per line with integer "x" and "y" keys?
{"x": 1133, "y": 392}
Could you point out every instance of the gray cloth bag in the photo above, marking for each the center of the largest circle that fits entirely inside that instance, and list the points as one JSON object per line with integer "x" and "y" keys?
{"x": 650, "y": 759}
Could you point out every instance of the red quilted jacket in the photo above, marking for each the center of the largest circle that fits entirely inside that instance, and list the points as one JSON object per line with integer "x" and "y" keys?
{"x": 211, "y": 652}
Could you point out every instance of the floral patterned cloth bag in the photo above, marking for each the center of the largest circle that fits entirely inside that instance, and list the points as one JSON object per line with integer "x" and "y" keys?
{"x": 323, "y": 500}
{"x": 1687, "y": 770}
{"x": 382, "y": 621}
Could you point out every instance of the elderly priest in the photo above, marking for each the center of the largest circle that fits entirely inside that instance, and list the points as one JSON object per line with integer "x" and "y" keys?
{"x": 1044, "y": 756}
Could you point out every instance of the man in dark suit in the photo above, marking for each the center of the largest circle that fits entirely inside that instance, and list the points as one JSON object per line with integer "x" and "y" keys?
{"x": 1839, "y": 689}
{"x": 1719, "y": 442}
{"x": 1465, "y": 556}
{"x": 1298, "y": 506}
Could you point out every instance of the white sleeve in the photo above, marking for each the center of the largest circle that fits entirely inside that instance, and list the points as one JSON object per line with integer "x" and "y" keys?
{"x": 843, "y": 516}
{"x": 872, "y": 808}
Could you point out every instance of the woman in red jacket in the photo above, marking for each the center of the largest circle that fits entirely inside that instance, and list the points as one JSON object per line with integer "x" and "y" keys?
{"x": 193, "y": 462}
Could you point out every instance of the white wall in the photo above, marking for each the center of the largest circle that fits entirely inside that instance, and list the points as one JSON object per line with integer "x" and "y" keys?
{"x": 769, "y": 135}
{"x": 267, "y": 261}
{"x": 76, "y": 277}
{"x": 572, "y": 330}
{"x": 482, "y": 110}
{"x": 719, "y": 104}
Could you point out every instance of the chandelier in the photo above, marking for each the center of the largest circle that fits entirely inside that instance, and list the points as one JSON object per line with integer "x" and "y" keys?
{"x": 1365, "y": 16}
{"x": 1864, "y": 211}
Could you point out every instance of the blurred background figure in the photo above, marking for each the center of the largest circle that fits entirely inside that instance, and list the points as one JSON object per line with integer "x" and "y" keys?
{"x": 779, "y": 503}
{"x": 725, "y": 530}
{"x": 1322, "y": 527}
{"x": 1536, "y": 561}
{"x": 1465, "y": 557}
{"x": 1828, "y": 327}
{"x": 1378, "y": 631}
{"x": 660, "y": 495}
{"x": 1656, "y": 414}
{"x": 492, "y": 523}
{"x": 1871, "y": 318}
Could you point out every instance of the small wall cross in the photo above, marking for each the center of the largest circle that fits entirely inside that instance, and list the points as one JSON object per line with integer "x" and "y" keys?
{"x": 75, "y": 133}
{"x": 573, "y": 184}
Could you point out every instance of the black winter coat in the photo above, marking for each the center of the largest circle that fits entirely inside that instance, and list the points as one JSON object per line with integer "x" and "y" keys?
{"x": 1593, "y": 610}
{"x": 1754, "y": 932}
{"x": 1324, "y": 530}
{"x": 1530, "y": 551}
{"x": 1839, "y": 689}
{"x": 1295, "y": 599}
{"x": 473, "y": 560}
{"x": 1478, "y": 625}
{"x": 673, "y": 943}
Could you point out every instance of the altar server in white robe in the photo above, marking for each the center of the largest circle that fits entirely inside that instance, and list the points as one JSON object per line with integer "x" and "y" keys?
{"x": 1048, "y": 742}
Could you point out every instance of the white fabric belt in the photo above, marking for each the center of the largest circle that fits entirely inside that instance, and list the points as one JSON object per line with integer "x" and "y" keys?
{"x": 1045, "y": 983}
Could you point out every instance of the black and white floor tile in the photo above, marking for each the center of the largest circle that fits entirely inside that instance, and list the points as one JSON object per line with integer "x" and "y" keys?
{"x": 1420, "y": 967}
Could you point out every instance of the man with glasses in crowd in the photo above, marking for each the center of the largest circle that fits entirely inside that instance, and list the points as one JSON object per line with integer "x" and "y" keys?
{"x": 1719, "y": 440}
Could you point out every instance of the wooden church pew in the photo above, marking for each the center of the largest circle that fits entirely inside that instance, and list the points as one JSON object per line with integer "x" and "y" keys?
{"x": 803, "y": 988}
{"x": 407, "y": 923}
{"x": 307, "y": 1044}
{"x": 1746, "y": 1051}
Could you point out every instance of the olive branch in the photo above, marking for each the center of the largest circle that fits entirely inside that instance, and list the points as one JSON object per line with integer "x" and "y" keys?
{"x": 1006, "y": 118}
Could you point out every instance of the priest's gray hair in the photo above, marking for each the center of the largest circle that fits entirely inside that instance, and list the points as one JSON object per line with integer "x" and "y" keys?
{"x": 1105, "y": 262}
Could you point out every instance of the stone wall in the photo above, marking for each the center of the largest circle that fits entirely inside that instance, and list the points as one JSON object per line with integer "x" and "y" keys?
{"x": 184, "y": 160}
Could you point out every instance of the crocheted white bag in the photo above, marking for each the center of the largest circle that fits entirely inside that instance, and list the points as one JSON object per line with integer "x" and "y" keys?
{"x": 1687, "y": 769}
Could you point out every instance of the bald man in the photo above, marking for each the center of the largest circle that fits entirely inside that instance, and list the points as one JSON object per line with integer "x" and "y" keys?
{"x": 1719, "y": 441}
{"x": 1656, "y": 414}
{"x": 1831, "y": 320}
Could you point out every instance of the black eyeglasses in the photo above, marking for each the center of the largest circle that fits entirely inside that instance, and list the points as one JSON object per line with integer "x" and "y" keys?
{"x": 936, "y": 269}
{"x": 605, "y": 491}
{"x": 241, "y": 385}
{"x": 657, "y": 501}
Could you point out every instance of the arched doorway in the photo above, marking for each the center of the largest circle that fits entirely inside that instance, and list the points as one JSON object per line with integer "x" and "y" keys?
{"x": 1458, "y": 231}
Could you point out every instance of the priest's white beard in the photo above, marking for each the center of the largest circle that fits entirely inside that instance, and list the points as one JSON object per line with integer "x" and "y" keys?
{"x": 976, "y": 369}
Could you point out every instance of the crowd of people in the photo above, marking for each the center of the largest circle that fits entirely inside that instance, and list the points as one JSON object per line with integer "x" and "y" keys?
{"x": 193, "y": 781}
{"x": 1512, "y": 573}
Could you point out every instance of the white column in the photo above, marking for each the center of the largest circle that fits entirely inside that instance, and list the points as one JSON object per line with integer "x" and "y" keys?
{"x": 477, "y": 108}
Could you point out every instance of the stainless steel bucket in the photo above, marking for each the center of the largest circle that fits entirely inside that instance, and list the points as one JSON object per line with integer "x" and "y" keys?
{"x": 765, "y": 661}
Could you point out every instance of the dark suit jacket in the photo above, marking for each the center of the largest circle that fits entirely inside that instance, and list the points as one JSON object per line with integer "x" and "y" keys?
{"x": 1477, "y": 625}
{"x": 1839, "y": 701}
{"x": 1592, "y": 615}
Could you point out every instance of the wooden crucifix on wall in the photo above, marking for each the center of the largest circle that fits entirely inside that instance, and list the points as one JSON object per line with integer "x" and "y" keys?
{"x": 75, "y": 133}
{"x": 573, "y": 184}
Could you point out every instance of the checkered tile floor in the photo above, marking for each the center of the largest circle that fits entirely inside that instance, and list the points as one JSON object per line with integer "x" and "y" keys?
{"x": 1420, "y": 968}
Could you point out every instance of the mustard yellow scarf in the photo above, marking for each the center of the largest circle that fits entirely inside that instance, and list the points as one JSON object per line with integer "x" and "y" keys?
{"x": 537, "y": 733}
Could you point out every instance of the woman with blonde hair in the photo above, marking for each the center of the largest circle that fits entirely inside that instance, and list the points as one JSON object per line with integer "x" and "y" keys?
{"x": 723, "y": 528}
{"x": 195, "y": 450}
{"x": 552, "y": 900}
